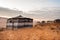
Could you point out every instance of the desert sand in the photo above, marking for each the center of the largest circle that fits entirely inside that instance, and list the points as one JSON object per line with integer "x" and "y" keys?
{"x": 30, "y": 34}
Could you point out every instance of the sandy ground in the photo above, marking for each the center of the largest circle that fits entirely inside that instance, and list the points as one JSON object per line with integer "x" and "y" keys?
{"x": 29, "y": 34}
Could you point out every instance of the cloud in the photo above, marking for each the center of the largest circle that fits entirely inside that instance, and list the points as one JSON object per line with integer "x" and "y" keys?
{"x": 47, "y": 13}
{"x": 9, "y": 12}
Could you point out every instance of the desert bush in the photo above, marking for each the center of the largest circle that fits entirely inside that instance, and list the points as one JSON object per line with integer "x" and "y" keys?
{"x": 52, "y": 28}
{"x": 43, "y": 22}
{"x": 2, "y": 29}
{"x": 57, "y": 21}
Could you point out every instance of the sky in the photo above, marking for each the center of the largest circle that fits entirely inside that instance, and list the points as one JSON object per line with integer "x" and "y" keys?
{"x": 27, "y": 5}
{"x": 37, "y": 9}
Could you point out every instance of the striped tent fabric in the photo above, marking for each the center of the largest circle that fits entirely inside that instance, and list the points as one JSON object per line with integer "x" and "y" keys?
{"x": 19, "y": 22}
